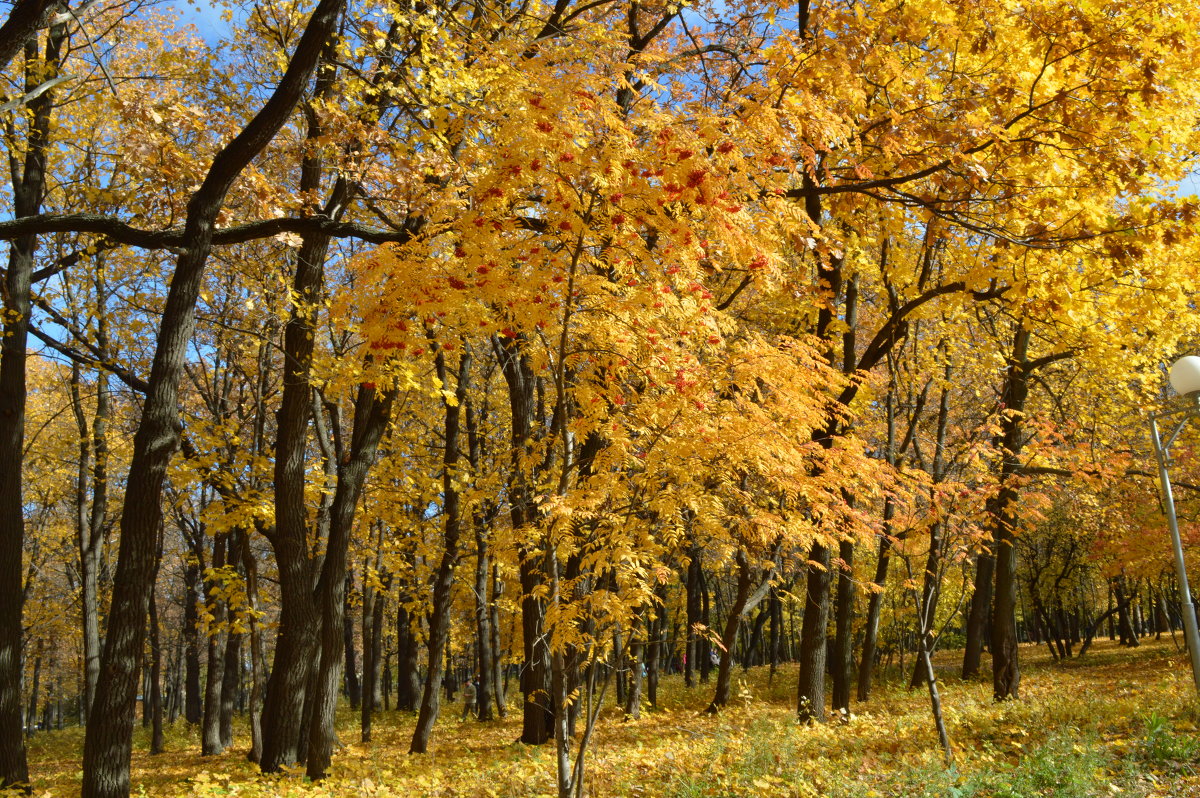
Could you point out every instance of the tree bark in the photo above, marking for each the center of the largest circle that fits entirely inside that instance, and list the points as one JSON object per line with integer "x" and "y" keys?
{"x": 977, "y": 618}
{"x": 1006, "y": 673}
{"x": 210, "y": 730}
{"x": 810, "y": 694}
{"x": 372, "y": 413}
{"x": 536, "y": 726}
{"x": 729, "y": 638}
{"x": 843, "y": 641}
{"x": 28, "y": 188}
{"x": 408, "y": 684}
{"x": 353, "y": 688}
{"x": 108, "y": 743}
{"x": 443, "y": 581}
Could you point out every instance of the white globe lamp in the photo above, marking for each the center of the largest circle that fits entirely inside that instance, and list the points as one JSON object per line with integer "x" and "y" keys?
{"x": 1185, "y": 375}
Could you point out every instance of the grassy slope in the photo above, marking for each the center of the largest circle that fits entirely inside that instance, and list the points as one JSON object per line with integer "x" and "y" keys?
{"x": 1116, "y": 723}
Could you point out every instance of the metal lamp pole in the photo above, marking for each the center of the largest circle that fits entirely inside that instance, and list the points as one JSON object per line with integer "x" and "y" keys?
{"x": 1185, "y": 594}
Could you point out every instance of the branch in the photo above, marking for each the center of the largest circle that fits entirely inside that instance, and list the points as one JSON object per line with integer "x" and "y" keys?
{"x": 125, "y": 233}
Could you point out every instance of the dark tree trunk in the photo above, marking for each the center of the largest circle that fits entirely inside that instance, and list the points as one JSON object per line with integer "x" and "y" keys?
{"x": 843, "y": 641}
{"x": 633, "y": 665}
{"x": 930, "y": 590}
{"x": 230, "y": 686}
{"x": 977, "y": 617}
{"x": 373, "y": 676}
{"x": 1124, "y": 624}
{"x": 483, "y": 623}
{"x": 372, "y": 412}
{"x": 193, "y": 706}
{"x": 443, "y": 583}
{"x": 210, "y": 734}
{"x": 155, "y": 695}
{"x": 654, "y": 646}
{"x": 692, "y": 586}
{"x": 536, "y": 726}
{"x": 705, "y": 645}
{"x": 408, "y": 684}
{"x": 28, "y": 189}
{"x": 257, "y": 658}
{"x": 810, "y": 693}
{"x": 866, "y": 665}
{"x": 729, "y": 638}
{"x": 35, "y": 688}
{"x": 90, "y": 519}
{"x": 353, "y": 688}
{"x": 1006, "y": 673}
{"x": 109, "y": 737}
{"x": 498, "y": 680}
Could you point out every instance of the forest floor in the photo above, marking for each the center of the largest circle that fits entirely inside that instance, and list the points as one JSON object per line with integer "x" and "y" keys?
{"x": 1116, "y": 723}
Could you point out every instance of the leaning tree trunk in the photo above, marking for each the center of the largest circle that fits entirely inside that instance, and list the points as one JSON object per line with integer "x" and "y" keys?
{"x": 108, "y": 740}
{"x": 729, "y": 638}
{"x": 372, "y": 413}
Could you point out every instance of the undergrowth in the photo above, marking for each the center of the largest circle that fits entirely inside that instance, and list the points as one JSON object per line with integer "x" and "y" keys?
{"x": 1117, "y": 723}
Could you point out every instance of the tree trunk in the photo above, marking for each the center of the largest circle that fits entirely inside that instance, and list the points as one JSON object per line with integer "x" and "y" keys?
{"x": 1006, "y": 673}
{"x": 843, "y": 641}
{"x": 692, "y": 586}
{"x": 866, "y": 664}
{"x": 499, "y": 680}
{"x": 729, "y": 638}
{"x": 210, "y": 734}
{"x": 28, "y": 189}
{"x": 230, "y": 685}
{"x": 353, "y": 688}
{"x": 536, "y": 725}
{"x": 193, "y": 707}
{"x": 408, "y": 684}
{"x": 443, "y": 583}
{"x": 977, "y": 617}
{"x": 372, "y": 413}
{"x": 155, "y": 695}
{"x": 810, "y": 694}
{"x": 108, "y": 743}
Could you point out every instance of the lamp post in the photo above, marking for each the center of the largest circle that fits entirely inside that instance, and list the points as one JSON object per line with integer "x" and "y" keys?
{"x": 1185, "y": 379}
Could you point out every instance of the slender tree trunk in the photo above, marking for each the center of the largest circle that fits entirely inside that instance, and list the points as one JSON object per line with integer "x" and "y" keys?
{"x": 210, "y": 735}
{"x": 1006, "y": 673}
{"x": 353, "y": 688}
{"x": 843, "y": 641}
{"x": 28, "y": 189}
{"x": 537, "y": 716}
{"x": 155, "y": 695}
{"x": 729, "y": 638}
{"x": 443, "y": 583}
{"x": 499, "y": 681}
{"x": 372, "y": 413}
{"x": 977, "y": 617}
{"x": 866, "y": 665}
{"x": 633, "y": 662}
{"x": 692, "y": 586}
{"x": 257, "y": 657}
{"x": 35, "y": 688}
{"x": 193, "y": 708}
